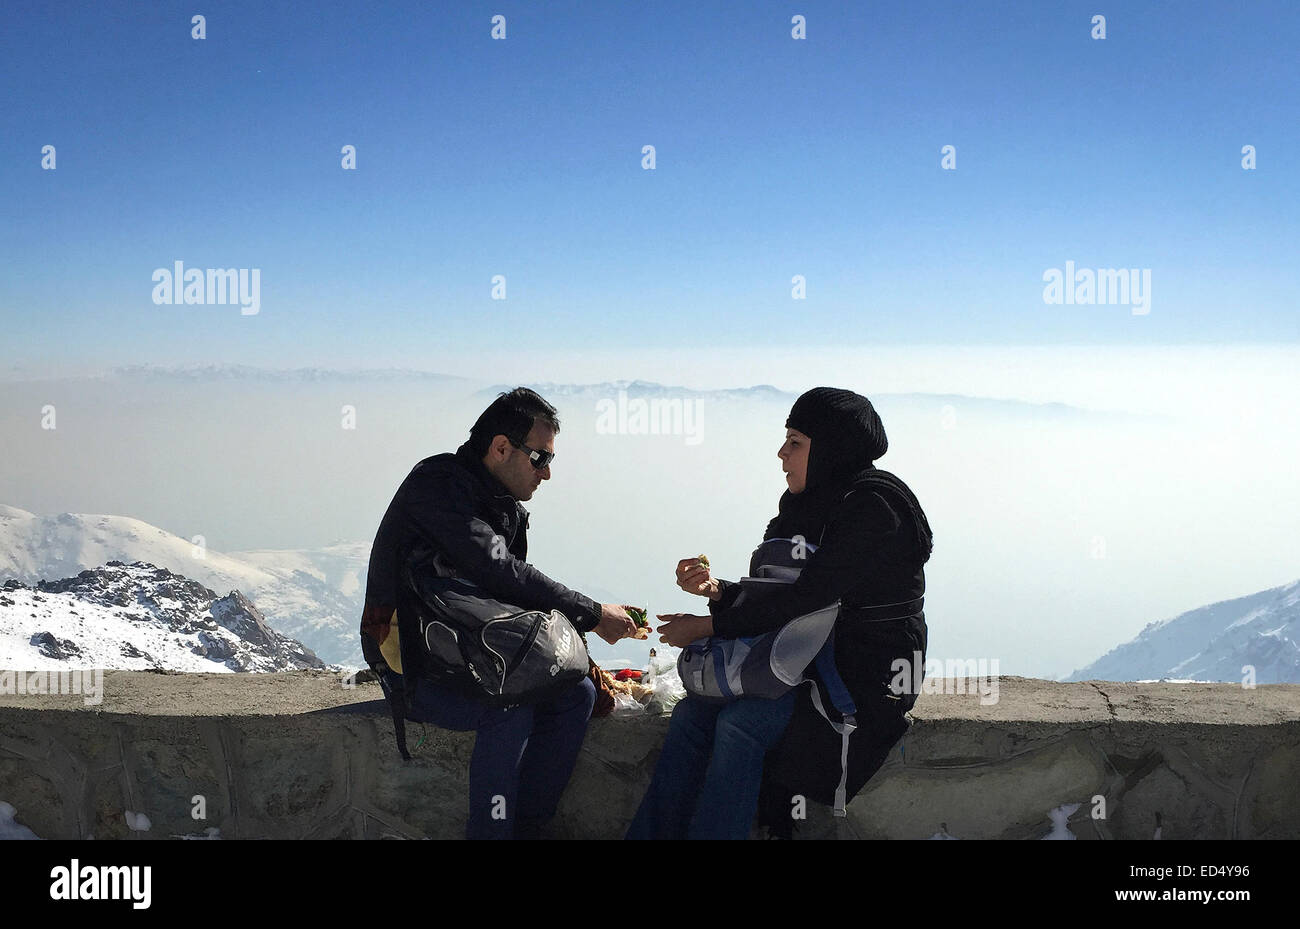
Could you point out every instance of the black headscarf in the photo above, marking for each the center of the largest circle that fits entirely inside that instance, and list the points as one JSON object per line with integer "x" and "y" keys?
{"x": 847, "y": 437}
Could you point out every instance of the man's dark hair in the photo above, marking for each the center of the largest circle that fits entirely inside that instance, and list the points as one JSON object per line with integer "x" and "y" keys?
{"x": 511, "y": 415}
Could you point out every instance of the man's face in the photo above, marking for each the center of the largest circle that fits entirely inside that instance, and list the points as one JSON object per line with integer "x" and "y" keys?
{"x": 512, "y": 467}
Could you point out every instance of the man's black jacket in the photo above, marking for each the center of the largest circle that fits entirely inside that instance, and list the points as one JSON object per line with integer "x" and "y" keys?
{"x": 451, "y": 506}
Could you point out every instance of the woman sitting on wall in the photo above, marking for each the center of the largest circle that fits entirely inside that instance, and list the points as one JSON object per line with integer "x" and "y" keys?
{"x": 874, "y": 542}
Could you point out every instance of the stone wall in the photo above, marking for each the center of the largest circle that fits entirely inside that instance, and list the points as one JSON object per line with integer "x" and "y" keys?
{"x": 300, "y": 756}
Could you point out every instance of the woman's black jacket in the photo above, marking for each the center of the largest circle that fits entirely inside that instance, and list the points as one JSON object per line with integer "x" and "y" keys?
{"x": 874, "y": 541}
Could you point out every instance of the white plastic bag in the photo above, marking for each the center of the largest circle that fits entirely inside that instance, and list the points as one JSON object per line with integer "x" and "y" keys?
{"x": 667, "y": 684}
{"x": 626, "y": 705}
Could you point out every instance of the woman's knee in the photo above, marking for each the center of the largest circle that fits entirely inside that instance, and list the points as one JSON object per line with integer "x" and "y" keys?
{"x": 754, "y": 720}
{"x": 693, "y": 719}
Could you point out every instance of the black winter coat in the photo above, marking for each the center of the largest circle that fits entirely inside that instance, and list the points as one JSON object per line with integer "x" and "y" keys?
{"x": 874, "y": 541}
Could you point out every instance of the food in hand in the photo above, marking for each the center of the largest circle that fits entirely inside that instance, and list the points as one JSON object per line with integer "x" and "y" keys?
{"x": 638, "y": 616}
{"x": 704, "y": 560}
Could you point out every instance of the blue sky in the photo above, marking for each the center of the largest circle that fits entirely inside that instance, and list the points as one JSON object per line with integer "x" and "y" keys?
{"x": 522, "y": 157}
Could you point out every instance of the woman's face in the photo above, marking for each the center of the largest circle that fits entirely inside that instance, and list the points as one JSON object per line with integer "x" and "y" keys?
{"x": 794, "y": 459}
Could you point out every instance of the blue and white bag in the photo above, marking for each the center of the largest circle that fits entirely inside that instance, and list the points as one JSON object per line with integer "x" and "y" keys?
{"x": 767, "y": 665}
{"x": 773, "y": 663}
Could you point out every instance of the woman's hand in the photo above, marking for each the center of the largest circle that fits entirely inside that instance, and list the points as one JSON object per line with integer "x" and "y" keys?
{"x": 681, "y": 629}
{"x": 693, "y": 577}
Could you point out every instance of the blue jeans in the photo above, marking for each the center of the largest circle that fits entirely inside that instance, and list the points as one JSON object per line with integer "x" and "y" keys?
{"x": 523, "y": 756}
{"x": 705, "y": 785}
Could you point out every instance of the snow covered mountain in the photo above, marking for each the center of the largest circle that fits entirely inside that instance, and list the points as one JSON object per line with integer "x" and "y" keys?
{"x": 1213, "y": 643}
{"x": 312, "y": 596}
{"x": 137, "y": 617}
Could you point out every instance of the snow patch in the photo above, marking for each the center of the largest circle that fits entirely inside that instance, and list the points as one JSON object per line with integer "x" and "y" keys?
{"x": 1060, "y": 817}
{"x": 10, "y": 828}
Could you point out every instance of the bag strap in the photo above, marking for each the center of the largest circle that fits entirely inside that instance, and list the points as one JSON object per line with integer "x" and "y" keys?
{"x": 841, "y": 699}
{"x": 396, "y": 696}
{"x": 843, "y": 702}
{"x": 883, "y": 612}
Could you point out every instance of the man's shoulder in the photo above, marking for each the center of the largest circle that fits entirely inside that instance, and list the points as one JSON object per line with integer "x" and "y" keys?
{"x": 436, "y": 470}
{"x": 449, "y": 471}
{"x": 445, "y": 464}
{"x": 440, "y": 463}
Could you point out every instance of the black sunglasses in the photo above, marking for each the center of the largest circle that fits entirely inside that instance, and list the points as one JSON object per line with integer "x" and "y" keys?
{"x": 540, "y": 460}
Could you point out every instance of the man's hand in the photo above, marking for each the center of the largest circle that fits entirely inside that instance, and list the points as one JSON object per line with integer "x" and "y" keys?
{"x": 614, "y": 623}
{"x": 681, "y": 629}
{"x": 693, "y": 577}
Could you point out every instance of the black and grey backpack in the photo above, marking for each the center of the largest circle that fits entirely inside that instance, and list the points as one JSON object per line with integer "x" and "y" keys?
{"x": 512, "y": 655}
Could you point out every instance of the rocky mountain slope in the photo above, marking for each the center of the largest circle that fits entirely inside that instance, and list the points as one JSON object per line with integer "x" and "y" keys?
{"x": 1213, "y": 643}
{"x": 139, "y": 616}
{"x": 313, "y": 596}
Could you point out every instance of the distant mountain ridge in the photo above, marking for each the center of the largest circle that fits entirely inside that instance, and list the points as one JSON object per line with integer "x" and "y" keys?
{"x": 242, "y": 373}
{"x": 644, "y": 389}
{"x": 647, "y": 390}
{"x": 238, "y": 372}
{"x": 1213, "y": 643}
{"x": 139, "y": 616}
